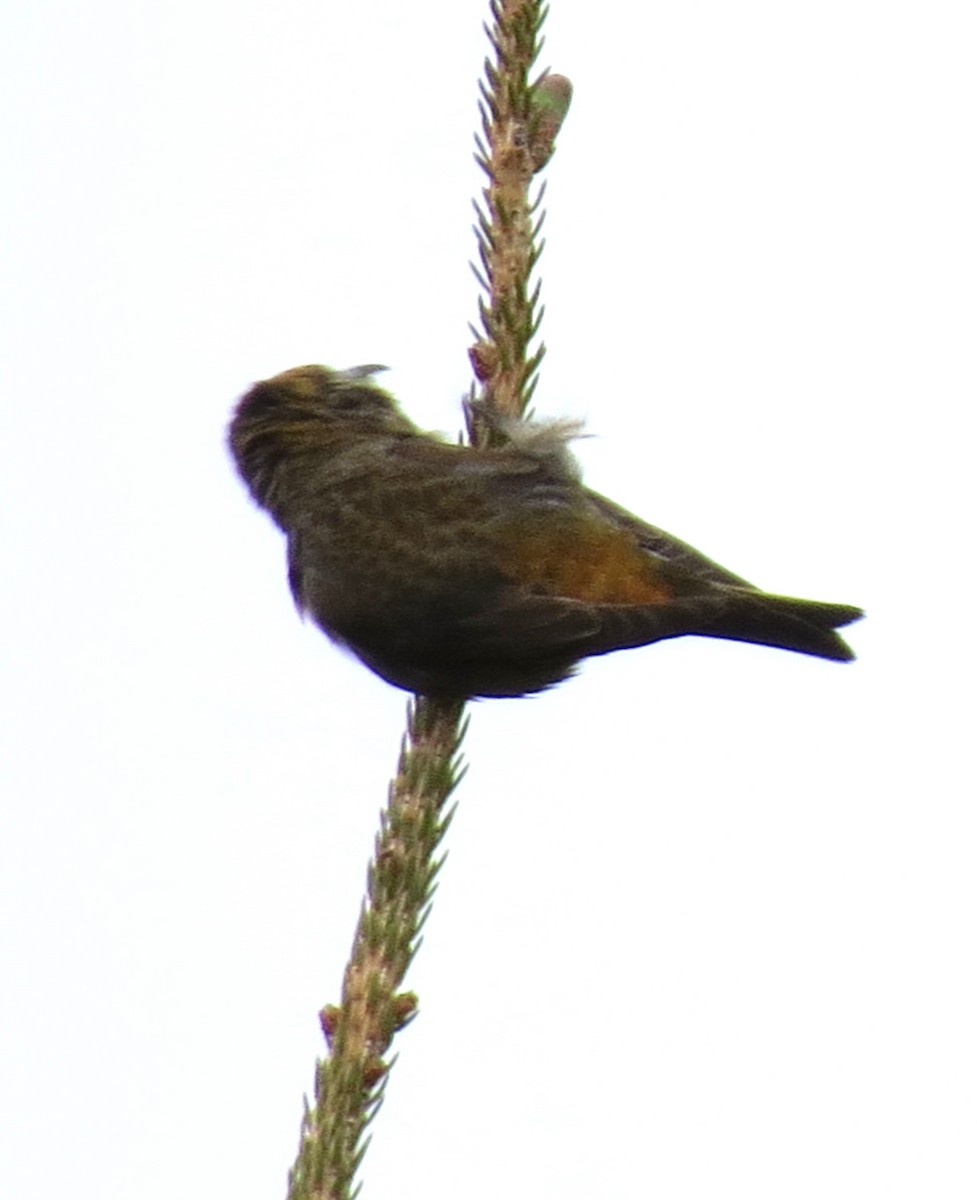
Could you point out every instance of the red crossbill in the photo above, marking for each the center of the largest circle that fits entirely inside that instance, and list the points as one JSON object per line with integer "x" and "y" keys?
{"x": 457, "y": 572}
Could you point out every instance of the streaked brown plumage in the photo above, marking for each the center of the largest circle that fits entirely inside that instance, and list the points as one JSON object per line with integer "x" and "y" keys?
{"x": 455, "y": 571}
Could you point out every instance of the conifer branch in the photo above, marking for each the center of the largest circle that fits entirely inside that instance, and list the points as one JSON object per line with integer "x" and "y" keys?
{"x": 350, "y": 1081}
{"x": 520, "y": 123}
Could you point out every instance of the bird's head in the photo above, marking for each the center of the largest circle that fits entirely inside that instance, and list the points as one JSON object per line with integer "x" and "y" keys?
{"x": 307, "y": 411}
{"x": 320, "y": 394}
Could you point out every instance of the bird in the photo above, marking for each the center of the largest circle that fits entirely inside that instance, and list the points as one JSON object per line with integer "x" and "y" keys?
{"x": 465, "y": 572}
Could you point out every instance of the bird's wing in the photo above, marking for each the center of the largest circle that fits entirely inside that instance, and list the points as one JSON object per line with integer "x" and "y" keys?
{"x": 541, "y": 479}
{"x": 665, "y": 546}
{"x": 558, "y": 538}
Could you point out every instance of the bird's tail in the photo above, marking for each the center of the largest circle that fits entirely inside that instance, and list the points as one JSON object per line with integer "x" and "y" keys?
{"x": 807, "y": 626}
{"x": 739, "y": 614}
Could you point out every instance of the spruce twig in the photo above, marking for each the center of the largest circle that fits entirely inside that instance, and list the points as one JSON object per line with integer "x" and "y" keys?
{"x": 520, "y": 124}
{"x": 509, "y": 155}
{"x": 350, "y": 1081}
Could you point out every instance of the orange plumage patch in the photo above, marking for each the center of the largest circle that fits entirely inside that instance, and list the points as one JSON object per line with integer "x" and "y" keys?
{"x": 584, "y": 559}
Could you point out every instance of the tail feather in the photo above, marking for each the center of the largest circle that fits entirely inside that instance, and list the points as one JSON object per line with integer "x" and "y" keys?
{"x": 807, "y": 626}
{"x": 737, "y": 614}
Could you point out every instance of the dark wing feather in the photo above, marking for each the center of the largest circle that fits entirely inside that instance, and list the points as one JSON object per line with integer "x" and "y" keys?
{"x": 667, "y": 547}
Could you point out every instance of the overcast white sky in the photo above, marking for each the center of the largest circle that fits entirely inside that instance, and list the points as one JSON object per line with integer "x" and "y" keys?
{"x": 707, "y": 924}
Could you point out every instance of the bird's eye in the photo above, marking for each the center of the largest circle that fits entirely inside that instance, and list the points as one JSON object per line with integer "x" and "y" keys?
{"x": 348, "y": 398}
{"x": 352, "y": 400}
